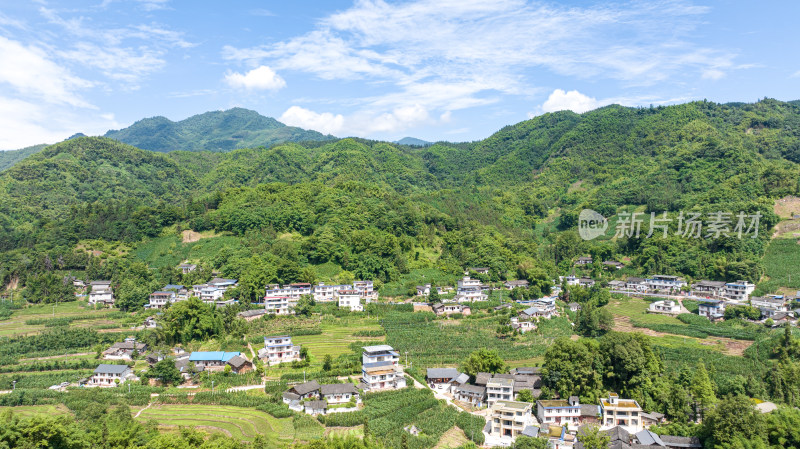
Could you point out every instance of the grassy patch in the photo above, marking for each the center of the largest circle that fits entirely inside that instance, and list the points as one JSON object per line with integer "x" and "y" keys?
{"x": 781, "y": 260}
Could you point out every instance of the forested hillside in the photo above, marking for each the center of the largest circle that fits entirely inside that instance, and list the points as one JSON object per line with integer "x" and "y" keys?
{"x": 11, "y": 157}
{"x": 212, "y": 131}
{"x": 320, "y": 211}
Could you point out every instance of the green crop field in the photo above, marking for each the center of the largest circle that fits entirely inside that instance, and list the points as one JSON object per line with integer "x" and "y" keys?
{"x": 636, "y": 308}
{"x": 28, "y": 411}
{"x": 33, "y": 319}
{"x": 241, "y": 423}
{"x": 335, "y": 338}
{"x": 780, "y": 263}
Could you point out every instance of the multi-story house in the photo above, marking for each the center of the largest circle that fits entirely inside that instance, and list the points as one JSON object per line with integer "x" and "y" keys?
{"x": 711, "y": 309}
{"x": 327, "y": 293}
{"x": 380, "y": 368}
{"x": 738, "y": 291}
{"x": 181, "y": 292}
{"x": 101, "y": 293}
{"x": 558, "y": 412}
{"x": 509, "y": 418}
{"x": 350, "y": 299}
{"x": 160, "y": 299}
{"x": 279, "y": 305}
{"x": 499, "y": 389}
{"x": 294, "y": 291}
{"x": 635, "y": 284}
{"x": 212, "y": 361}
{"x": 279, "y": 349}
{"x": 469, "y": 290}
{"x": 770, "y": 305}
{"x": 664, "y": 282}
{"x": 667, "y": 306}
{"x": 708, "y": 288}
{"x": 471, "y": 394}
{"x": 625, "y": 413}
{"x": 110, "y": 375}
{"x": 586, "y": 282}
{"x": 366, "y": 289}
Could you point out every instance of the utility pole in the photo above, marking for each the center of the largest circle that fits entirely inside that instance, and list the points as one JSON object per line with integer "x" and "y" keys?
{"x": 212, "y": 387}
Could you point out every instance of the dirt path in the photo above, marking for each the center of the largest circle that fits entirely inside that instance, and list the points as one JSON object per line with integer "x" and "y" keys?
{"x": 732, "y": 347}
{"x": 148, "y": 405}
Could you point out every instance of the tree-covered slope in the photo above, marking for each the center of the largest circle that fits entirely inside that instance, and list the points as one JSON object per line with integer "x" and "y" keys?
{"x": 212, "y": 131}
{"x": 11, "y": 157}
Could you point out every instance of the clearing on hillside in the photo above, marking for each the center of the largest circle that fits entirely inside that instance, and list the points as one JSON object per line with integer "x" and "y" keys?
{"x": 787, "y": 207}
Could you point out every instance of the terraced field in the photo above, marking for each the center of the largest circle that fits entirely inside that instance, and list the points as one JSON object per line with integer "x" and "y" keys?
{"x": 28, "y": 411}
{"x": 241, "y": 423}
{"x": 336, "y": 339}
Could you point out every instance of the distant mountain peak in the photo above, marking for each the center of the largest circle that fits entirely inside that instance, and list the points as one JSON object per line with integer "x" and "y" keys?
{"x": 413, "y": 141}
{"x": 212, "y": 131}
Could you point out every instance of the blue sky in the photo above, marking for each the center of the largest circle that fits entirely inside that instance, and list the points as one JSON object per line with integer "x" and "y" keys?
{"x": 437, "y": 70}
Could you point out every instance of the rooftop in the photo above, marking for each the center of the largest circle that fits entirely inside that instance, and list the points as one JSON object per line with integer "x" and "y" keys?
{"x": 110, "y": 369}
{"x": 513, "y": 404}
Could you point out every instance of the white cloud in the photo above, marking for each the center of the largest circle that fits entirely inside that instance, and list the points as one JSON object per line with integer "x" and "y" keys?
{"x": 326, "y": 122}
{"x": 573, "y": 101}
{"x": 446, "y": 55}
{"x": 31, "y": 72}
{"x": 260, "y": 78}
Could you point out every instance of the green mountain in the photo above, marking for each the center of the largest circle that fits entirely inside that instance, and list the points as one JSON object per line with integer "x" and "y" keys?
{"x": 212, "y": 131}
{"x": 11, "y": 157}
{"x": 397, "y": 213}
{"x": 413, "y": 141}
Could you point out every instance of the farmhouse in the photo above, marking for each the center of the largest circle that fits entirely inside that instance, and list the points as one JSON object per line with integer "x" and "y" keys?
{"x": 293, "y": 291}
{"x": 380, "y": 368}
{"x": 621, "y": 412}
{"x": 479, "y": 270}
{"x": 366, "y": 290}
{"x": 616, "y": 285}
{"x": 613, "y": 264}
{"x": 510, "y": 418}
{"x": 160, "y": 299}
{"x": 586, "y": 282}
{"x": 769, "y": 305}
{"x": 713, "y": 310}
{"x": 101, "y": 293}
{"x": 250, "y": 315}
{"x": 511, "y": 285}
{"x": 664, "y": 282}
{"x": 451, "y": 308}
{"x": 110, "y": 375}
{"x": 316, "y": 407}
{"x": 279, "y": 305}
{"x": 349, "y": 299}
{"x": 338, "y": 393}
{"x": 325, "y": 293}
{"x": 187, "y": 268}
{"x": 240, "y": 365}
{"x": 739, "y": 290}
{"x": 586, "y": 260}
{"x": 212, "y": 361}
{"x": 425, "y": 290}
{"x": 279, "y": 349}
{"x": 559, "y": 412}
{"x": 471, "y": 394}
{"x": 307, "y": 390}
{"x": 574, "y": 306}
{"x": 124, "y": 350}
{"x": 666, "y": 306}
{"x": 708, "y": 288}
{"x": 635, "y": 284}
{"x": 522, "y": 326}
{"x": 499, "y": 389}
{"x": 469, "y": 290}
{"x": 438, "y": 377}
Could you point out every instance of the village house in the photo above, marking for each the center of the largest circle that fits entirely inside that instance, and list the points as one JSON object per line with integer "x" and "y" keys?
{"x": 349, "y": 299}
{"x": 307, "y": 390}
{"x": 509, "y": 418}
{"x": 614, "y": 264}
{"x": 586, "y": 282}
{"x": 101, "y": 293}
{"x": 666, "y": 306}
{"x": 279, "y": 349}
{"x": 711, "y": 309}
{"x": 317, "y": 407}
{"x": 124, "y": 350}
{"x": 425, "y": 290}
{"x": 616, "y": 285}
{"x": 250, "y": 315}
{"x": 635, "y": 284}
{"x": 292, "y": 291}
{"x": 664, "y": 282}
{"x": 570, "y": 279}
{"x": 279, "y": 305}
{"x": 339, "y": 393}
{"x": 522, "y": 326}
{"x": 471, "y": 394}
{"x": 440, "y": 377}
{"x": 187, "y": 268}
{"x": 499, "y": 389}
{"x": 769, "y": 305}
{"x": 738, "y": 291}
{"x": 212, "y": 361}
{"x": 469, "y": 290}
{"x": 558, "y": 412}
{"x": 708, "y": 288}
{"x": 366, "y": 290}
{"x": 326, "y": 293}
{"x": 621, "y": 412}
{"x": 478, "y": 270}
{"x": 574, "y": 306}
{"x": 380, "y": 368}
{"x": 586, "y": 260}
{"x": 110, "y": 375}
{"x": 181, "y": 292}
{"x": 239, "y": 364}
{"x": 451, "y": 308}
{"x": 511, "y": 285}
{"x": 160, "y": 299}
{"x": 590, "y": 414}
